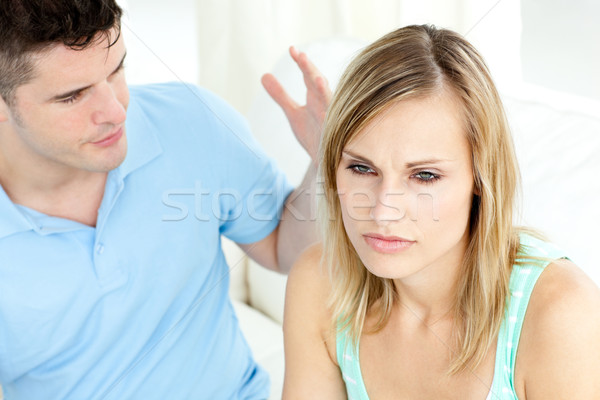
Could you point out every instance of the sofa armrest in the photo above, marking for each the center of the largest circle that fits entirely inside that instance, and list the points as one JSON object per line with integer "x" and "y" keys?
{"x": 238, "y": 266}
{"x": 266, "y": 291}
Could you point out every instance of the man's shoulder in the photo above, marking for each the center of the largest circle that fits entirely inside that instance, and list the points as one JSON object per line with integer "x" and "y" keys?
{"x": 181, "y": 96}
{"x": 163, "y": 90}
{"x": 185, "y": 117}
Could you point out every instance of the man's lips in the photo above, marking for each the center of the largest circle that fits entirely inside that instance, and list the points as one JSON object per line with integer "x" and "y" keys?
{"x": 387, "y": 244}
{"x": 112, "y": 138}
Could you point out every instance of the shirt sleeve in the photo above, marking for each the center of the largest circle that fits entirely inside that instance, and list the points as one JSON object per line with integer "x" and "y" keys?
{"x": 252, "y": 190}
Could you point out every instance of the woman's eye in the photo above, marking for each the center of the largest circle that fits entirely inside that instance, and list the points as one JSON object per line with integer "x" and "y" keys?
{"x": 427, "y": 176}
{"x": 360, "y": 169}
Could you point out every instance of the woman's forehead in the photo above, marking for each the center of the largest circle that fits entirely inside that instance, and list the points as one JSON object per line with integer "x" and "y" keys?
{"x": 428, "y": 121}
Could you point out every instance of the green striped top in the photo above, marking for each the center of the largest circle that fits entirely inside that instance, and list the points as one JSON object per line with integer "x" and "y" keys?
{"x": 522, "y": 281}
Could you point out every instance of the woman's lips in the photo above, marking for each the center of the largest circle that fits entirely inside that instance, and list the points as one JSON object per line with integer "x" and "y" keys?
{"x": 110, "y": 140}
{"x": 387, "y": 244}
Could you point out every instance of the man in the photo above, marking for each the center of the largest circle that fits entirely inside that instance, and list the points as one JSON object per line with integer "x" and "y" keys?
{"x": 113, "y": 284}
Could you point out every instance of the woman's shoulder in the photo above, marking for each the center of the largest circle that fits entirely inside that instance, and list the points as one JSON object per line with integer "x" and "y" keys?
{"x": 310, "y": 259}
{"x": 311, "y": 369}
{"x": 561, "y": 284}
{"x": 309, "y": 274}
{"x": 563, "y": 293}
{"x": 561, "y": 333}
{"x": 308, "y": 293}
{"x": 309, "y": 283}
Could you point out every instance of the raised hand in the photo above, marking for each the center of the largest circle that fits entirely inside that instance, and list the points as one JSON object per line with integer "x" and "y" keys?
{"x": 307, "y": 120}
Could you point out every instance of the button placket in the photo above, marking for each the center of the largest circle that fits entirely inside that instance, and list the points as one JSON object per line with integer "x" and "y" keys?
{"x": 99, "y": 249}
{"x": 106, "y": 264}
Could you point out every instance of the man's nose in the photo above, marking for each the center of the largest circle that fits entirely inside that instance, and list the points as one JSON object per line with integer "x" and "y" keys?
{"x": 109, "y": 106}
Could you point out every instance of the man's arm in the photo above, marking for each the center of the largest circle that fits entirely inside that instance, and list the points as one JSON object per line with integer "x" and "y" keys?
{"x": 297, "y": 229}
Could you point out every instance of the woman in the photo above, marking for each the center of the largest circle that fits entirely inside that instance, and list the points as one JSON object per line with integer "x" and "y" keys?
{"x": 421, "y": 287}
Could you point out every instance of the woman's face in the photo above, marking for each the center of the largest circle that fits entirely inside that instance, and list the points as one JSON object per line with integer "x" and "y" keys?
{"x": 405, "y": 185}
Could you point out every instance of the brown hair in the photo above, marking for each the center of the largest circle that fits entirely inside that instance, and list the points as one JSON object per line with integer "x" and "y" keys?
{"x": 30, "y": 26}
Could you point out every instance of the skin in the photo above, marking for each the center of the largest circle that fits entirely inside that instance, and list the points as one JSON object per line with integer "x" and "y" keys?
{"x": 54, "y": 155}
{"x": 303, "y": 118}
{"x": 409, "y": 357}
{"x": 418, "y": 187}
{"x": 50, "y": 158}
{"x": 297, "y": 229}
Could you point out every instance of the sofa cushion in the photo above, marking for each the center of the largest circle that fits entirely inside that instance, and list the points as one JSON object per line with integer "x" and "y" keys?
{"x": 557, "y": 139}
{"x": 265, "y": 338}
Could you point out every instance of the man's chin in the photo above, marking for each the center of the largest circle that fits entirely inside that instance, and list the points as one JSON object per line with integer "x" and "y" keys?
{"x": 109, "y": 161}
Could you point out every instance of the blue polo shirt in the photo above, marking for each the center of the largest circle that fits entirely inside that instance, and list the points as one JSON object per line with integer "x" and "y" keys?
{"x": 138, "y": 307}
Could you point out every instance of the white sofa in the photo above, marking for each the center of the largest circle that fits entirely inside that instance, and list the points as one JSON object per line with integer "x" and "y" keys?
{"x": 557, "y": 137}
{"x": 258, "y": 298}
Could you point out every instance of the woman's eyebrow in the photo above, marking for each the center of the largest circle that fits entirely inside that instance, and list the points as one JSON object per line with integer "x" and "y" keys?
{"x": 410, "y": 164}
{"x": 428, "y": 161}
{"x": 357, "y": 157}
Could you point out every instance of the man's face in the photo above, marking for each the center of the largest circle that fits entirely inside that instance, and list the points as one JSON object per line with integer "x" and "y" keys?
{"x": 71, "y": 115}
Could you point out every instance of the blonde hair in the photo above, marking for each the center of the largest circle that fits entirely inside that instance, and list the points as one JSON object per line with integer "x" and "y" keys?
{"x": 411, "y": 62}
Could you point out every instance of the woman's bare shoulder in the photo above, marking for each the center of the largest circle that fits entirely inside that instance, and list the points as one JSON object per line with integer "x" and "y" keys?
{"x": 559, "y": 350}
{"x": 563, "y": 291}
{"x": 309, "y": 273}
{"x": 308, "y": 291}
{"x": 311, "y": 369}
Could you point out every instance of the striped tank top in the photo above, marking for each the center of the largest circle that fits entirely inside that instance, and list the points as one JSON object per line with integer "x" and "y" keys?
{"x": 522, "y": 280}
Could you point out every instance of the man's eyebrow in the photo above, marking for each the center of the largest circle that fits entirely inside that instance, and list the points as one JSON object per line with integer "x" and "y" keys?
{"x": 120, "y": 64}
{"x": 70, "y": 93}
{"x": 63, "y": 96}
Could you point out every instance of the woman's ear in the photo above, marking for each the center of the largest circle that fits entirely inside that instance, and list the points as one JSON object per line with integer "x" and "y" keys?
{"x": 3, "y": 110}
{"x": 476, "y": 185}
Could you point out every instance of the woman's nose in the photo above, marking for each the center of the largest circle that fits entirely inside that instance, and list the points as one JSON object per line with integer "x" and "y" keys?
{"x": 389, "y": 206}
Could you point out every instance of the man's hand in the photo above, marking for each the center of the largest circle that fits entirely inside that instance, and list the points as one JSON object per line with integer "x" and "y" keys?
{"x": 306, "y": 121}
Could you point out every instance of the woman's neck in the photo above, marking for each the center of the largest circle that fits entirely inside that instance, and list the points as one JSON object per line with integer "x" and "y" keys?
{"x": 430, "y": 294}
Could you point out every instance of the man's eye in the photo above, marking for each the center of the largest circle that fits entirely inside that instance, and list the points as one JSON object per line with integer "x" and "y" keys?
{"x": 71, "y": 98}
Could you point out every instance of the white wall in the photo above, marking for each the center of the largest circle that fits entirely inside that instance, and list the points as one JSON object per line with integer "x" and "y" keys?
{"x": 561, "y": 45}
{"x": 161, "y": 39}
{"x": 227, "y": 45}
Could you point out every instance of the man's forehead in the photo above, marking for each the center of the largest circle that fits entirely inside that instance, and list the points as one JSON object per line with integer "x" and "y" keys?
{"x": 103, "y": 43}
{"x": 59, "y": 61}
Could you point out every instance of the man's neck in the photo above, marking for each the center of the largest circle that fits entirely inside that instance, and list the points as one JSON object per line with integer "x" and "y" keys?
{"x": 75, "y": 196}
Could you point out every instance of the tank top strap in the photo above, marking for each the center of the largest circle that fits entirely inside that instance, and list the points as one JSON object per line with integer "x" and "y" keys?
{"x": 534, "y": 256}
{"x": 349, "y": 362}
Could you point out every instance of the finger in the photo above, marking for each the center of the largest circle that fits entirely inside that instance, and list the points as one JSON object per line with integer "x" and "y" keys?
{"x": 323, "y": 89}
{"x": 278, "y": 93}
{"x": 294, "y": 53}
{"x": 309, "y": 71}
